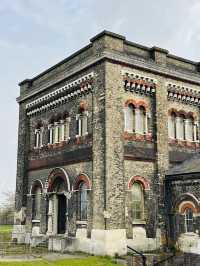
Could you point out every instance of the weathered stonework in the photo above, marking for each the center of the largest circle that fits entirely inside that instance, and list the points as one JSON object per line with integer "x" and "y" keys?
{"x": 102, "y": 79}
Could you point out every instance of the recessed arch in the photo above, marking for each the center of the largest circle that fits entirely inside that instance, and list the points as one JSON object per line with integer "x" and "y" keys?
{"x": 145, "y": 183}
{"x": 36, "y": 183}
{"x": 131, "y": 102}
{"x": 82, "y": 178}
{"x": 55, "y": 173}
{"x": 183, "y": 200}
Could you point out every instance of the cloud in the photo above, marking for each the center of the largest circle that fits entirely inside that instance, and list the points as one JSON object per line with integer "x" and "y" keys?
{"x": 36, "y": 34}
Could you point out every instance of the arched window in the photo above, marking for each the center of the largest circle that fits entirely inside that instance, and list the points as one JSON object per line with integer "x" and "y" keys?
{"x": 82, "y": 123}
{"x": 172, "y": 125}
{"x": 82, "y": 202}
{"x": 36, "y": 202}
{"x": 137, "y": 201}
{"x": 142, "y": 122}
{"x": 189, "y": 128}
{"x": 39, "y": 136}
{"x": 181, "y": 127}
{"x": 188, "y": 220}
{"x": 130, "y": 118}
{"x": 58, "y": 129}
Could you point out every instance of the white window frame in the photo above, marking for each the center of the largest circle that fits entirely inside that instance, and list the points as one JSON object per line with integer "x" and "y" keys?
{"x": 80, "y": 126}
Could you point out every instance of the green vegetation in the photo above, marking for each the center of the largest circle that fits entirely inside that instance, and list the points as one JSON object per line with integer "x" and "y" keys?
{"x": 5, "y": 228}
{"x": 5, "y": 233}
{"x": 89, "y": 261}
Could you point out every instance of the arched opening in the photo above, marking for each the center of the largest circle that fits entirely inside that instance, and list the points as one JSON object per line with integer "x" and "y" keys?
{"x": 172, "y": 125}
{"x": 137, "y": 201}
{"x": 58, "y": 187}
{"x": 181, "y": 127}
{"x": 188, "y": 220}
{"x": 82, "y": 202}
{"x": 82, "y": 185}
{"x": 36, "y": 203}
{"x": 130, "y": 118}
{"x": 142, "y": 120}
{"x": 82, "y": 122}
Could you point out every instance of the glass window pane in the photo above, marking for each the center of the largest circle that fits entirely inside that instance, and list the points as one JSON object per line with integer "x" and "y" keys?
{"x": 137, "y": 201}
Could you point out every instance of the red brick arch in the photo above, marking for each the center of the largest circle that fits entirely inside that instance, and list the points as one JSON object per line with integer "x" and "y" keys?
{"x": 172, "y": 111}
{"x": 55, "y": 173}
{"x": 188, "y": 205}
{"x": 184, "y": 201}
{"x": 137, "y": 103}
{"x": 132, "y": 102}
{"x": 144, "y": 182}
{"x": 82, "y": 178}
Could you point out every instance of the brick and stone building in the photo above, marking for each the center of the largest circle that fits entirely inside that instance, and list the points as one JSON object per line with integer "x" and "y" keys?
{"x": 102, "y": 138}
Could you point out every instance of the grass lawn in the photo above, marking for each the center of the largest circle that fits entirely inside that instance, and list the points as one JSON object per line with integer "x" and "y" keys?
{"x": 89, "y": 261}
{"x": 6, "y": 229}
{"x": 5, "y": 233}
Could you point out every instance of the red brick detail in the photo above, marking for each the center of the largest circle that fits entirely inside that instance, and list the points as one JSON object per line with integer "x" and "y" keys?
{"x": 143, "y": 104}
{"x": 83, "y": 106}
{"x": 182, "y": 113}
{"x": 186, "y": 206}
{"x": 145, "y": 183}
{"x": 184, "y": 143}
{"x": 137, "y": 137}
{"x": 172, "y": 110}
{"x": 136, "y": 103}
{"x": 57, "y": 172}
{"x": 82, "y": 178}
{"x": 191, "y": 115}
{"x": 131, "y": 101}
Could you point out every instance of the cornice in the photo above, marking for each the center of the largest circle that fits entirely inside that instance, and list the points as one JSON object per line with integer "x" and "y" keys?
{"x": 59, "y": 96}
{"x": 150, "y": 67}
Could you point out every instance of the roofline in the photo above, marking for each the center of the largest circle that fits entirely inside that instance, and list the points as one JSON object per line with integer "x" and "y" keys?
{"x": 56, "y": 65}
{"x": 114, "y": 35}
{"x": 183, "y": 174}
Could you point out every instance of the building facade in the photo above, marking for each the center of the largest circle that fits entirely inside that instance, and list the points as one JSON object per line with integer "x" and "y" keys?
{"x": 99, "y": 134}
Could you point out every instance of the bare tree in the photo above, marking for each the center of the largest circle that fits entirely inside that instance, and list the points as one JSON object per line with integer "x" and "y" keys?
{"x": 7, "y": 208}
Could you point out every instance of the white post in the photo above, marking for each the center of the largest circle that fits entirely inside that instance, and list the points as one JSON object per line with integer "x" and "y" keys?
{"x": 50, "y": 218}
{"x": 137, "y": 122}
{"x": 178, "y": 128}
{"x": 55, "y": 214}
{"x": 51, "y": 134}
{"x": 62, "y": 130}
{"x": 41, "y": 136}
{"x": 146, "y": 122}
{"x": 195, "y": 131}
{"x": 37, "y": 138}
{"x": 56, "y": 132}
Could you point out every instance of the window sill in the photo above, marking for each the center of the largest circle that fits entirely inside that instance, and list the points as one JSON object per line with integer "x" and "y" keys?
{"x": 139, "y": 222}
{"x": 184, "y": 143}
{"x": 138, "y": 137}
{"x": 81, "y": 222}
{"x": 35, "y": 221}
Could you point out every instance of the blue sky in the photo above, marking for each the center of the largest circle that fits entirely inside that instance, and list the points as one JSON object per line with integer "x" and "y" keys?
{"x": 36, "y": 34}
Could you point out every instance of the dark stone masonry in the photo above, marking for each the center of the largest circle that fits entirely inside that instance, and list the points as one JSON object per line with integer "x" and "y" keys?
{"x": 108, "y": 151}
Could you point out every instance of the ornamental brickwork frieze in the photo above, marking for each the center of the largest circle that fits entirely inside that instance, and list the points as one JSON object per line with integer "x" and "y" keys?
{"x": 137, "y": 83}
{"x": 66, "y": 93}
{"x": 183, "y": 94}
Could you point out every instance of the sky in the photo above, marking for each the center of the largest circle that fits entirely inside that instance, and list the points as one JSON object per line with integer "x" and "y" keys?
{"x": 36, "y": 34}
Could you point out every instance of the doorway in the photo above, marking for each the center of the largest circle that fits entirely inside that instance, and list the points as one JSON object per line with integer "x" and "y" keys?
{"x": 61, "y": 214}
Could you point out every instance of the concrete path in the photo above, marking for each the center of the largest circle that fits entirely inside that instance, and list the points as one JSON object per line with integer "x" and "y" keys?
{"x": 48, "y": 257}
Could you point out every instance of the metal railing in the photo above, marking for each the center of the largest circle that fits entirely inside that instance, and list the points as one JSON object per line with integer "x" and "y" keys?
{"x": 13, "y": 249}
{"x": 157, "y": 263}
{"x": 143, "y": 257}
